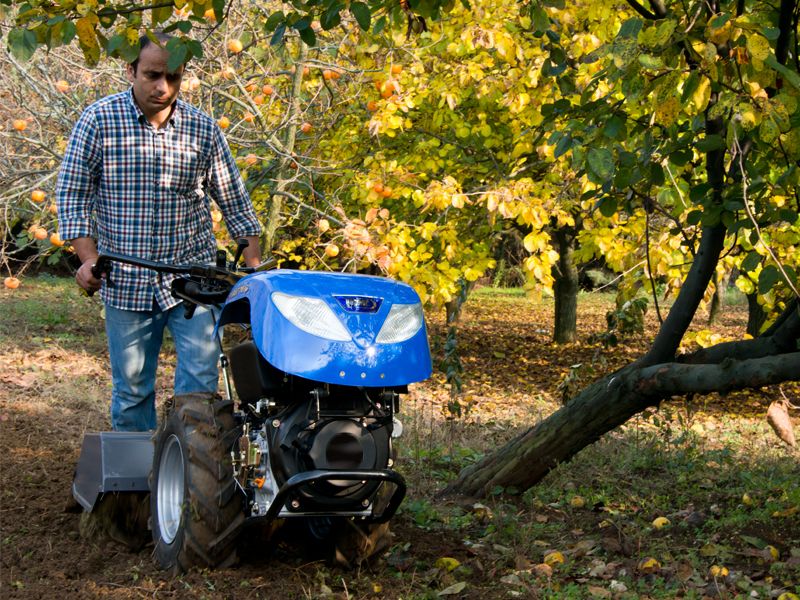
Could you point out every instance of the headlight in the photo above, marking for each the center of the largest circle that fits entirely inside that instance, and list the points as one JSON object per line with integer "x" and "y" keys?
{"x": 311, "y": 315}
{"x": 403, "y": 322}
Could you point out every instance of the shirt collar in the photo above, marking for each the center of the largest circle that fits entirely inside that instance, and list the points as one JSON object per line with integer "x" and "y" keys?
{"x": 174, "y": 118}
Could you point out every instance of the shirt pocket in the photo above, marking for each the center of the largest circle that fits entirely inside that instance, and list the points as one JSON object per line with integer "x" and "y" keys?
{"x": 183, "y": 169}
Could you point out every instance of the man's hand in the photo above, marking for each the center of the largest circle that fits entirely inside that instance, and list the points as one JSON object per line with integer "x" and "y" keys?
{"x": 85, "y": 278}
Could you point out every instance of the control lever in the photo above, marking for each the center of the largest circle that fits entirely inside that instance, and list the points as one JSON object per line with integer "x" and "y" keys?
{"x": 241, "y": 244}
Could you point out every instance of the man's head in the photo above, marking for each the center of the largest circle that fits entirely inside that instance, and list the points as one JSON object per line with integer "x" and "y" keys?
{"x": 154, "y": 87}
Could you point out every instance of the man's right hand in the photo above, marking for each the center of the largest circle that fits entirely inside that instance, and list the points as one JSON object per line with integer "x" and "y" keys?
{"x": 85, "y": 278}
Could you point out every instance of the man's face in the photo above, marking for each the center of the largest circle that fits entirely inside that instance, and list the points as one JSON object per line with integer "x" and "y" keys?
{"x": 154, "y": 88}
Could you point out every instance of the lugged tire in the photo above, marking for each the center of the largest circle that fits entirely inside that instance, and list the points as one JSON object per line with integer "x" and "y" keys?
{"x": 195, "y": 505}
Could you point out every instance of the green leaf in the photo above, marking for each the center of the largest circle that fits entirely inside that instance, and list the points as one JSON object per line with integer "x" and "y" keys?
{"x": 177, "y": 54}
{"x": 771, "y": 33}
{"x": 768, "y": 278}
{"x": 161, "y": 15}
{"x": 709, "y": 143}
{"x": 362, "y": 14}
{"x": 331, "y": 17}
{"x": 790, "y": 75}
{"x": 750, "y": 263}
{"x": 22, "y": 43}
{"x": 601, "y": 163}
{"x": 308, "y": 36}
{"x": 277, "y": 37}
{"x": 540, "y": 22}
{"x": 273, "y": 20}
{"x": 630, "y": 28}
{"x": 690, "y": 86}
{"x": 614, "y": 128}
{"x": 608, "y": 206}
{"x": 648, "y": 61}
{"x": 379, "y": 26}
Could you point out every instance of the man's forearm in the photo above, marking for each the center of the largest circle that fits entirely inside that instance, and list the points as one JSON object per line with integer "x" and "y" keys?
{"x": 85, "y": 248}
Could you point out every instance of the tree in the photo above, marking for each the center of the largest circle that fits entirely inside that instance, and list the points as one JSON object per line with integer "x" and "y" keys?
{"x": 731, "y": 62}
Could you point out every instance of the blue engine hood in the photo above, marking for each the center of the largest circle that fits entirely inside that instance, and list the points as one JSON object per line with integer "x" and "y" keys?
{"x": 360, "y": 361}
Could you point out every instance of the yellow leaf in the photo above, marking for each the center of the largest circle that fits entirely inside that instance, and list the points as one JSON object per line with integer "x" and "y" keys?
{"x": 446, "y": 563}
{"x": 649, "y": 565}
{"x": 87, "y": 38}
{"x": 702, "y": 94}
{"x": 758, "y": 47}
{"x": 553, "y": 558}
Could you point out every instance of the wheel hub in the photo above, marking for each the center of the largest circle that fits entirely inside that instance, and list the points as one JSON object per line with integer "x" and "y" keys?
{"x": 170, "y": 486}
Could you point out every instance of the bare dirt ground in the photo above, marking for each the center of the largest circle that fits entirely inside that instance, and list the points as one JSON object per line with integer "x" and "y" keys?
{"x": 54, "y": 387}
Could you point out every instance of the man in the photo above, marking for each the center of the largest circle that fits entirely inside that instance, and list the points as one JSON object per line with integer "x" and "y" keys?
{"x": 138, "y": 174}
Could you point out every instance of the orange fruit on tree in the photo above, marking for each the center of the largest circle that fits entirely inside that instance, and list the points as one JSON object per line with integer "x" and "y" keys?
{"x": 62, "y": 86}
{"x": 248, "y": 116}
{"x": 293, "y": 165}
{"x": 37, "y": 195}
{"x": 56, "y": 240}
{"x": 235, "y": 46}
{"x": 323, "y": 225}
{"x": 327, "y": 74}
{"x": 224, "y": 122}
{"x": 397, "y": 69}
{"x": 377, "y": 187}
{"x": 250, "y": 159}
{"x": 52, "y": 209}
{"x": 228, "y": 72}
{"x": 250, "y": 87}
{"x": 387, "y": 89}
{"x": 40, "y": 233}
{"x": 387, "y": 191}
{"x": 259, "y": 100}
{"x": 267, "y": 89}
{"x": 306, "y": 127}
{"x": 19, "y": 124}
{"x": 194, "y": 83}
{"x": 11, "y": 283}
{"x": 372, "y": 106}
{"x": 332, "y": 250}
{"x": 210, "y": 16}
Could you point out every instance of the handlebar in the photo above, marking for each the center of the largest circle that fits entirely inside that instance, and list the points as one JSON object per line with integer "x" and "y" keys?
{"x": 201, "y": 284}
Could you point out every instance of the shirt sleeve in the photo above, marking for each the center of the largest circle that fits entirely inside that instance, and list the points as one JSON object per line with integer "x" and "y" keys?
{"x": 226, "y": 187}
{"x": 77, "y": 179}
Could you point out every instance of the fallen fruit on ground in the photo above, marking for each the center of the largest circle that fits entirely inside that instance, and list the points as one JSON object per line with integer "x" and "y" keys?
{"x": 235, "y": 46}
{"x": 332, "y": 250}
{"x": 38, "y": 195}
{"x": 323, "y": 225}
{"x": 577, "y": 502}
{"x": 661, "y": 522}
{"x": 11, "y": 283}
{"x": 56, "y": 240}
{"x": 62, "y": 86}
{"x": 19, "y": 124}
{"x": 718, "y": 571}
{"x": 224, "y": 122}
{"x": 306, "y": 127}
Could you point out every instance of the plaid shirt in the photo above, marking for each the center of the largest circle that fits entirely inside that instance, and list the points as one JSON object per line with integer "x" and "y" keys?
{"x": 146, "y": 192}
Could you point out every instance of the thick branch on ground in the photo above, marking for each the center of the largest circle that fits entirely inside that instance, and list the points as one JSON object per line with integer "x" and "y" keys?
{"x": 604, "y": 406}
{"x": 727, "y": 376}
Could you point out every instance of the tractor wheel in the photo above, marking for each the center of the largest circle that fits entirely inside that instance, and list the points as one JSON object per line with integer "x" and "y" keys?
{"x": 196, "y": 508}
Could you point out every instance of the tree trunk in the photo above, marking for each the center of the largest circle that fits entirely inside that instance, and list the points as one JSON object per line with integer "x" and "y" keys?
{"x": 755, "y": 315}
{"x": 716, "y": 299}
{"x": 565, "y": 288}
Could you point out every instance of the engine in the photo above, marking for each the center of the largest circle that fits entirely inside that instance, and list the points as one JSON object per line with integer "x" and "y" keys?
{"x": 295, "y": 426}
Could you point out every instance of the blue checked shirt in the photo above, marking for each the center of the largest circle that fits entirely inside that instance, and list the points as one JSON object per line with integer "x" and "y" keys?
{"x": 146, "y": 192}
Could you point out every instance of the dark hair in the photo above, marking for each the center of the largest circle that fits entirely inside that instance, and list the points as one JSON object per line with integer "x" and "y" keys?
{"x": 144, "y": 41}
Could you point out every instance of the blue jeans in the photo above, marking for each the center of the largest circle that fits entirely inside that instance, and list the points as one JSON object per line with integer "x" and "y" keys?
{"x": 134, "y": 343}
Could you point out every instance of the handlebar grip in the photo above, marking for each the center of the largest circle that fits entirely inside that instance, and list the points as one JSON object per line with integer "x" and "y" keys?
{"x": 101, "y": 267}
